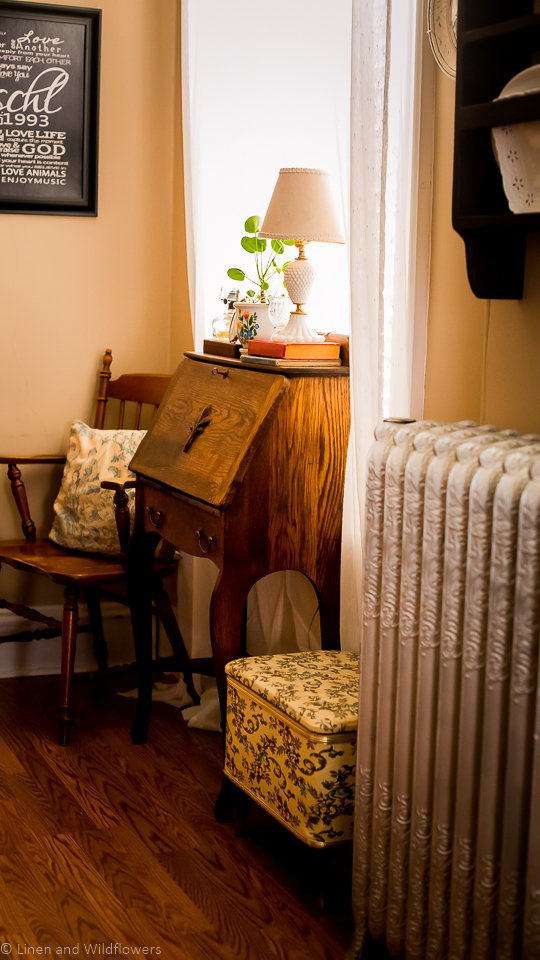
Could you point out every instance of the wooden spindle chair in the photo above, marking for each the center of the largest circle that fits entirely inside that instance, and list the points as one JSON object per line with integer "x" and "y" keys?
{"x": 99, "y": 576}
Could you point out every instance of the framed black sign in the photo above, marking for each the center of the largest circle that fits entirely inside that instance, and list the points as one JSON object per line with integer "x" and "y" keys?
{"x": 49, "y": 101}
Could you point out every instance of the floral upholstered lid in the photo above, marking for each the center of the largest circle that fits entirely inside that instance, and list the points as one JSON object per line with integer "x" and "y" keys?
{"x": 318, "y": 689}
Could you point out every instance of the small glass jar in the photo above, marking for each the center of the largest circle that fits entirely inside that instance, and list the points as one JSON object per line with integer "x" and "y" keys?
{"x": 220, "y": 326}
{"x": 280, "y": 309}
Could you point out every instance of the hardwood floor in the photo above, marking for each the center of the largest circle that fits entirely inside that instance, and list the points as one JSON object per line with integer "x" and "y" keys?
{"x": 107, "y": 848}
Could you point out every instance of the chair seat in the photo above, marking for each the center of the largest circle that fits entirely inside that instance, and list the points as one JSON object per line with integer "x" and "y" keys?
{"x": 291, "y": 739}
{"x": 60, "y": 565}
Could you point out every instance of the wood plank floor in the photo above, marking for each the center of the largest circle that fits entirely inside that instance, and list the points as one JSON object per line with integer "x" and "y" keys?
{"x": 107, "y": 848}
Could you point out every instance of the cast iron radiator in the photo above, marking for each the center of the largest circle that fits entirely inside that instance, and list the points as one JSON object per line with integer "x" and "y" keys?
{"x": 447, "y": 830}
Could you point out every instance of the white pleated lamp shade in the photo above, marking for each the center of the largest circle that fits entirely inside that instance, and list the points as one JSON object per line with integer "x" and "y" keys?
{"x": 302, "y": 208}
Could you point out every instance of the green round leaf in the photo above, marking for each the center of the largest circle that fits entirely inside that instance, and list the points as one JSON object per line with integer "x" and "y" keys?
{"x": 260, "y": 245}
{"x": 251, "y": 293}
{"x": 249, "y": 244}
{"x": 252, "y": 225}
{"x": 264, "y": 285}
{"x": 288, "y": 243}
{"x": 235, "y": 274}
{"x": 277, "y": 246}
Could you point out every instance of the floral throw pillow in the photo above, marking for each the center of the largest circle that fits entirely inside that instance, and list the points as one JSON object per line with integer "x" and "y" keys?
{"x": 84, "y": 512}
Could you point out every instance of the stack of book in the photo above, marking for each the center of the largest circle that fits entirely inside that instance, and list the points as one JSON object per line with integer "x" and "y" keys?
{"x": 276, "y": 354}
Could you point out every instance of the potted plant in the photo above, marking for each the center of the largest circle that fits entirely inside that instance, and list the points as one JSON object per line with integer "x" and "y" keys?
{"x": 252, "y": 318}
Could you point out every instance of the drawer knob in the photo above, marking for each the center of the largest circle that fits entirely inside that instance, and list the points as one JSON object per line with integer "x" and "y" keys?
{"x": 219, "y": 373}
{"x": 209, "y": 541}
{"x": 156, "y": 517}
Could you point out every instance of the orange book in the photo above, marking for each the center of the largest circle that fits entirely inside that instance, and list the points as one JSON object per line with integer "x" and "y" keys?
{"x": 294, "y": 351}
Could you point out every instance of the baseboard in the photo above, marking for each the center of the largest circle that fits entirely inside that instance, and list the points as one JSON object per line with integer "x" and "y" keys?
{"x": 42, "y": 657}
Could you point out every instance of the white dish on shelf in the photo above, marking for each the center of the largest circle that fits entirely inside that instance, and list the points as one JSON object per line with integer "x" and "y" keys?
{"x": 517, "y": 148}
{"x": 528, "y": 81}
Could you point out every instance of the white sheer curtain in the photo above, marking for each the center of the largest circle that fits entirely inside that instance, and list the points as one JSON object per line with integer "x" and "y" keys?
{"x": 391, "y": 171}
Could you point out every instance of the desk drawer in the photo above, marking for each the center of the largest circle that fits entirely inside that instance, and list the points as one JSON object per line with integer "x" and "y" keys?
{"x": 189, "y": 527}
{"x": 206, "y": 429}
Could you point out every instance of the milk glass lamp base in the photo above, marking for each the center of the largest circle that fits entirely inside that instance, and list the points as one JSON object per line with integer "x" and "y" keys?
{"x": 297, "y": 331}
{"x": 299, "y": 276}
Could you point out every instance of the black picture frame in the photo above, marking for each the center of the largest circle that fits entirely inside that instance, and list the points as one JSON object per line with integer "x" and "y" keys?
{"x": 49, "y": 108}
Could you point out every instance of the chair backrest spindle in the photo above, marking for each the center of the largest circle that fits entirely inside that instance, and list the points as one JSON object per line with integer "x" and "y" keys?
{"x": 101, "y": 400}
{"x": 141, "y": 389}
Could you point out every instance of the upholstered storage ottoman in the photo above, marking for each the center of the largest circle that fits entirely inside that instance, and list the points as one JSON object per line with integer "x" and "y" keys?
{"x": 290, "y": 740}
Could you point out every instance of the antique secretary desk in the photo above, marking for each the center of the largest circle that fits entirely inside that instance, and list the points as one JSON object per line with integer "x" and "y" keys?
{"x": 244, "y": 465}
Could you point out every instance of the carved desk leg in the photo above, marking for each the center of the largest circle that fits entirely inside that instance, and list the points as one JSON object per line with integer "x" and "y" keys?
{"x": 140, "y": 565}
{"x": 228, "y": 634}
{"x": 227, "y": 627}
{"x": 327, "y": 588}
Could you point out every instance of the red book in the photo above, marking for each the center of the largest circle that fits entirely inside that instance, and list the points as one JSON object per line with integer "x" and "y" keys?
{"x": 294, "y": 351}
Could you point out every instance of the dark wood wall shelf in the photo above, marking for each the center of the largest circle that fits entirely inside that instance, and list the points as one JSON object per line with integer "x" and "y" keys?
{"x": 496, "y": 39}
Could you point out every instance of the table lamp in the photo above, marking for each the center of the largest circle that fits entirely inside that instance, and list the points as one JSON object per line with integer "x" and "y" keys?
{"x": 301, "y": 209}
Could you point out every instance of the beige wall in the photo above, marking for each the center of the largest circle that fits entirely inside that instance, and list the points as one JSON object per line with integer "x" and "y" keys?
{"x": 73, "y": 286}
{"x": 483, "y": 357}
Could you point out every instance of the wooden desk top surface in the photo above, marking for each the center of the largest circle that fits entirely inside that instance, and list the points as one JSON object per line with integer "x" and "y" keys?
{"x": 291, "y": 371}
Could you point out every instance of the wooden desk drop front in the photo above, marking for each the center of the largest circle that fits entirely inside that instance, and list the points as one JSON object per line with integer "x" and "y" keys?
{"x": 244, "y": 466}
